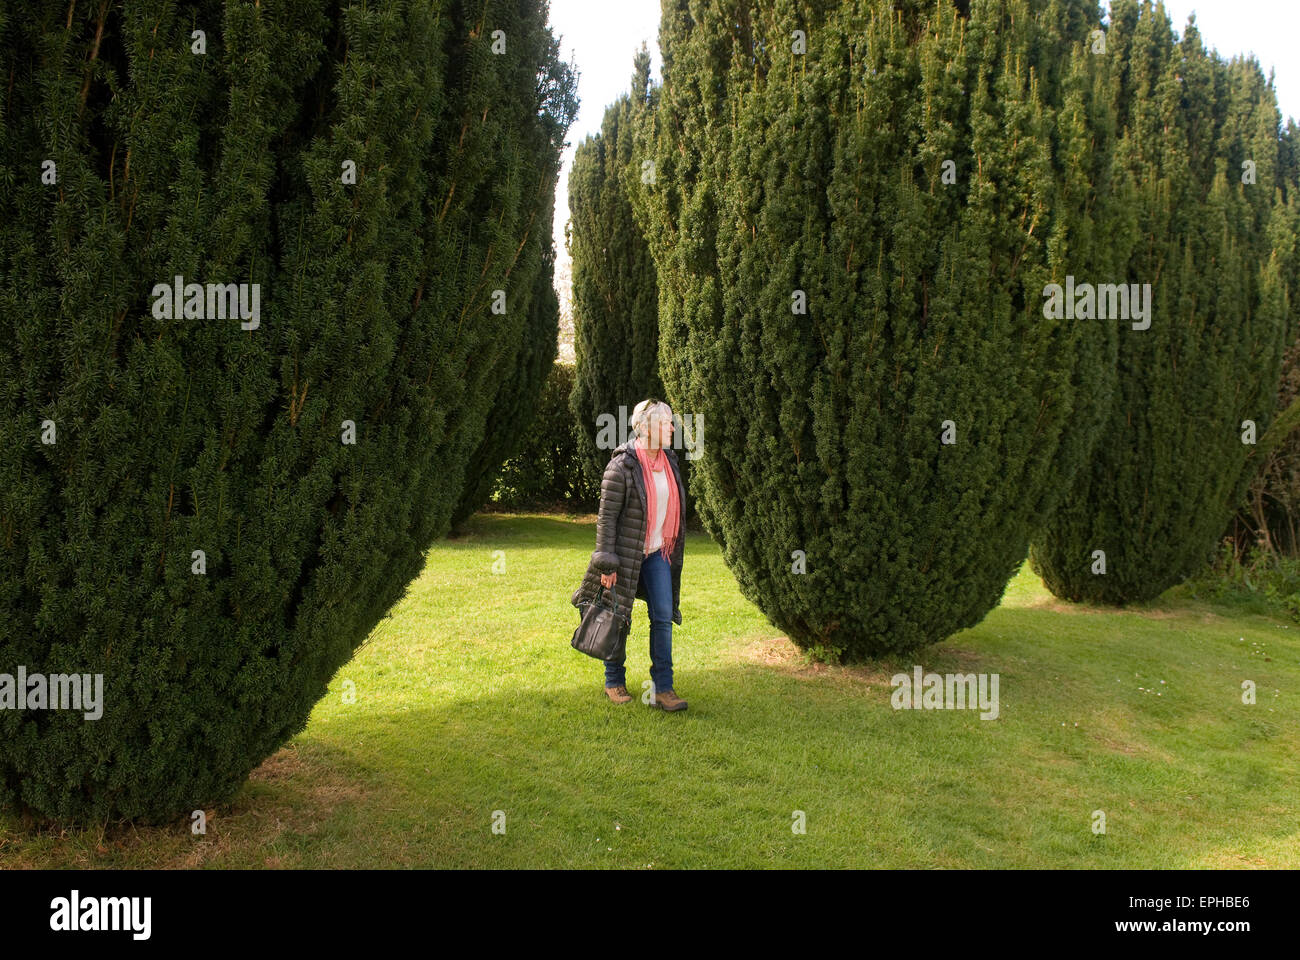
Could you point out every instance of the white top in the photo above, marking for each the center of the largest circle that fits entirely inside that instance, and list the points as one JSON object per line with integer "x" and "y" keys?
{"x": 661, "y": 510}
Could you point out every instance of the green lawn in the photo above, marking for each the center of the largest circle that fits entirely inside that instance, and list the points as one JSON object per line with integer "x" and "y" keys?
{"x": 469, "y": 700}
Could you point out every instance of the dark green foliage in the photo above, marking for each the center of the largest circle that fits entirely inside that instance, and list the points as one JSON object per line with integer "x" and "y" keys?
{"x": 615, "y": 309}
{"x": 525, "y": 360}
{"x": 546, "y": 471}
{"x": 188, "y": 434}
{"x": 821, "y": 172}
{"x": 1170, "y": 468}
{"x": 1270, "y": 518}
{"x": 1252, "y": 577}
{"x": 514, "y": 412}
{"x": 523, "y": 371}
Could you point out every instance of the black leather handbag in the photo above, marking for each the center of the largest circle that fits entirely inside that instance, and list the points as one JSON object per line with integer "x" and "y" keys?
{"x": 600, "y": 634}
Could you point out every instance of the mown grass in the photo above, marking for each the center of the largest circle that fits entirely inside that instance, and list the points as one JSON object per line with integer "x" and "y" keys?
{"x": 469, "y": 701}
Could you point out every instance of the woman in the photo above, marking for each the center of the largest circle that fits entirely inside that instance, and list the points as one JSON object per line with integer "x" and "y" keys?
{"x": 639, "y": 546}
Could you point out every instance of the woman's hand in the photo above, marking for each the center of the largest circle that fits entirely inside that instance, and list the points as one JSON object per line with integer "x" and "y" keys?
{"x": 607, "y": 580}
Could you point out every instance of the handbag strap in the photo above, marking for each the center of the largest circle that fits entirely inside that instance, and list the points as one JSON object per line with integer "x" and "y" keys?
{"x": 600, "y": 593}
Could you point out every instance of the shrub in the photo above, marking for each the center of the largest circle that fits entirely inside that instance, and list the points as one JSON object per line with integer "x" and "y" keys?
{"x": 1171, "y": 466}
{"x": 514, "y": 412}
{"x": 202, "y": 533}
{"x": 1271, "y": 513}
{"x": 548, "y": 470}
{"x": 838, "y": 301}
{"x": 1250, "y": 575}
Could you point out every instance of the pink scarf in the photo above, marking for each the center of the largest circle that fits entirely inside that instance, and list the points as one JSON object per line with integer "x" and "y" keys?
{"x": 670, "y": 530}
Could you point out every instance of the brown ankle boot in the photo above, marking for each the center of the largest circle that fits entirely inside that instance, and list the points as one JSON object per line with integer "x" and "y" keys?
{"x": 618, "y": 694}
{"x": 667, "y": 700}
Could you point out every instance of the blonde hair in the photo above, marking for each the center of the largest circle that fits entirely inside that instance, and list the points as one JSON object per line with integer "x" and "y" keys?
{"x": 644, "y": 412}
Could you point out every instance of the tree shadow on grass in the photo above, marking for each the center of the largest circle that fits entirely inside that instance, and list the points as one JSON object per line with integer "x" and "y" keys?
{"x": 417, "y": 785}
{"x": 292, "y": 796}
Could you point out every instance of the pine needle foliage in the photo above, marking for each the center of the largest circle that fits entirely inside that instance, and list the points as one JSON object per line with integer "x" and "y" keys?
{"x": 175, "y": 436}
{"x": 783, "y": 175}
{"x": 1176, "y": 457}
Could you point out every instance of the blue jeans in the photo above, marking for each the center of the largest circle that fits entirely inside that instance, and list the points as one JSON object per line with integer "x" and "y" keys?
{"x": 657, "y": 575}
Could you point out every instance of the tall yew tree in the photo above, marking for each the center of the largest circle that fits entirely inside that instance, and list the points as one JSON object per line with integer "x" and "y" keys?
{"x": 860, "y": 321}
{"x": 1199, "y": 150}
{"x": 211, "y": 511}
{"x": 1271, "y": 514}
{"x": 520, "y": 384}
{"x": 615, "y": 292}
{"x": 525, "y": 361}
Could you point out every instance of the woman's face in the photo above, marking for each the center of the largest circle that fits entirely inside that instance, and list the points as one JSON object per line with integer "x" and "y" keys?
{"x": 661, "y": 431}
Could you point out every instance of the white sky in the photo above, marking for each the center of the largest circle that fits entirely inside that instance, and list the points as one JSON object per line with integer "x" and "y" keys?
{"x": 602, "y": 36}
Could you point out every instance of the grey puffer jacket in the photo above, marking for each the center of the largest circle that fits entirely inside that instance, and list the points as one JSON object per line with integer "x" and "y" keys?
{"x": 621, "y": 530}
